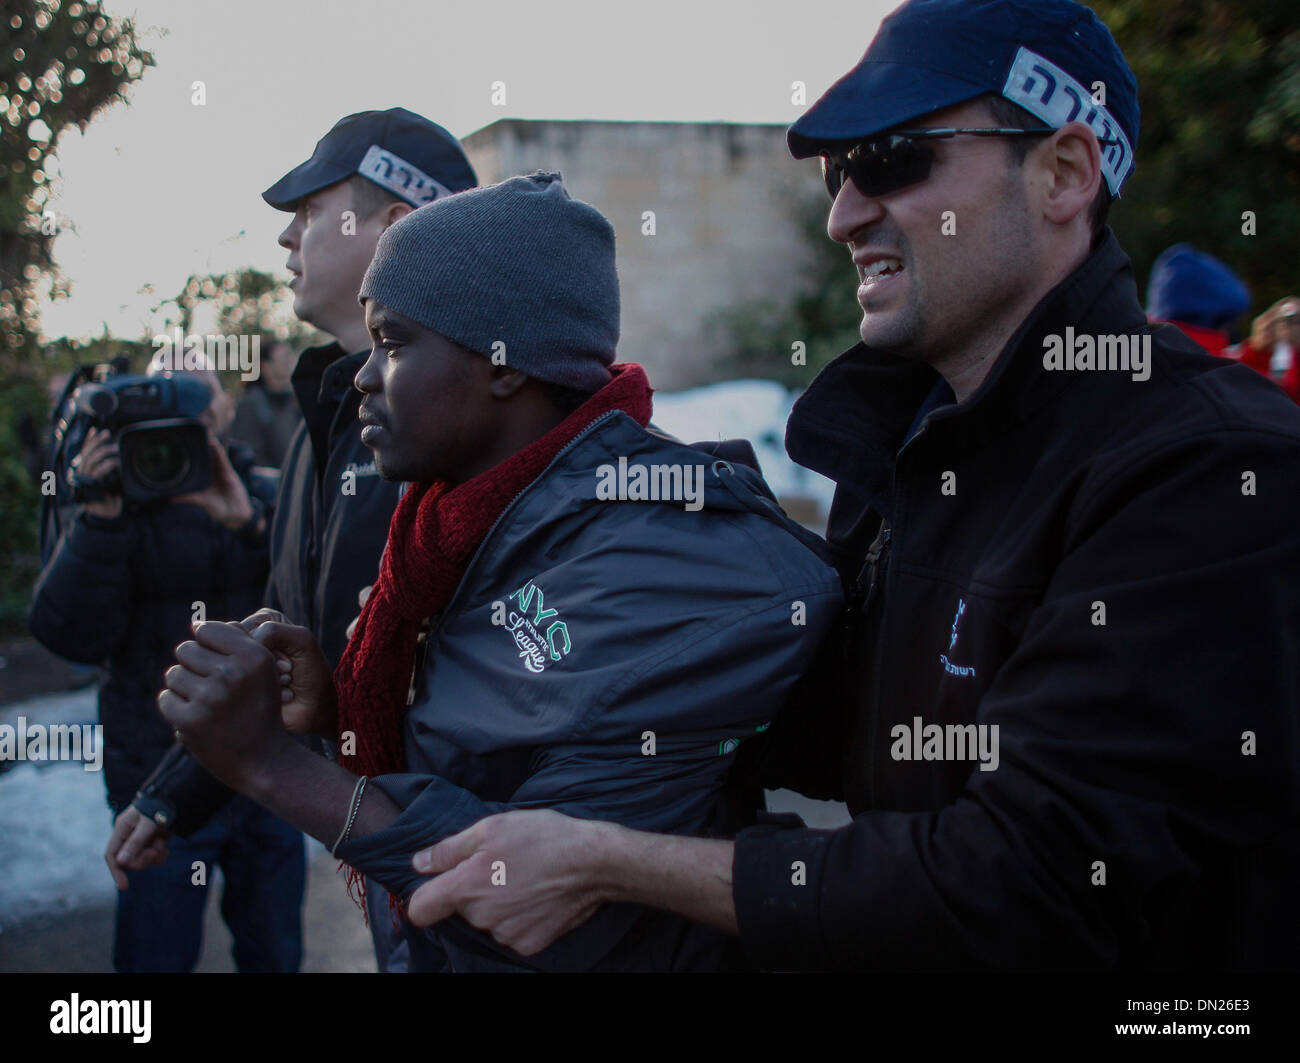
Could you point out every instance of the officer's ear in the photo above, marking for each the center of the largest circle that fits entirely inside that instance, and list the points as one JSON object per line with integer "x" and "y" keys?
{"x": 1068, "y": 167}
{"x": 394, "y": 211}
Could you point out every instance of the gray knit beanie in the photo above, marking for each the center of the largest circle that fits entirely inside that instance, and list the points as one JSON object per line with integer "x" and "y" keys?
{"x": 520, "y": 263}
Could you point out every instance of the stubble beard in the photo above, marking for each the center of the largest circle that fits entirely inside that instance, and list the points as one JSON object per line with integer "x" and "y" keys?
{"x": 983, "y": 322}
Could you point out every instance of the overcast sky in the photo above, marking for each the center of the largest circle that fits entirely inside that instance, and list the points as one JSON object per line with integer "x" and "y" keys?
{"x": 160, "y": 189}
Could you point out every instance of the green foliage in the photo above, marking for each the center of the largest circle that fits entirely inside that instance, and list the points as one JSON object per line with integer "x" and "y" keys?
{"x": 60, "y": 65}
{"x": 22, "y": 406}
{"x": 1219, "y": 88}
{"x": 754, "y": 338}
{"x": 246, "y": 302}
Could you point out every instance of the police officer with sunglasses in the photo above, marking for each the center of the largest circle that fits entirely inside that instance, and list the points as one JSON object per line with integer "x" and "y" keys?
{"x": 1062, "y": 704}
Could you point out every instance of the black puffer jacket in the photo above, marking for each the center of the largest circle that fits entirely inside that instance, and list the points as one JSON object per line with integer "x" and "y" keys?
{"x": 124, "y": 591}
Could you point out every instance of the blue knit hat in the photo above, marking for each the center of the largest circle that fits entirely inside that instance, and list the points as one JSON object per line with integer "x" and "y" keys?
{"x": 1190, "y": 286}
{"x": 520, "y": 263}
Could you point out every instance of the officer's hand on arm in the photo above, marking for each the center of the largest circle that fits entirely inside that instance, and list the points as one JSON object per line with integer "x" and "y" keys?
{"x": 98, "y": 458}
{"x": 558, "y": 870}
{"x": 307, "y": 701}
{"x": 136, "y": 843}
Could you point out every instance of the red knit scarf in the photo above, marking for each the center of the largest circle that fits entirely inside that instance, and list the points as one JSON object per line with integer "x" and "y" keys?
{"x": 434, "y": 533}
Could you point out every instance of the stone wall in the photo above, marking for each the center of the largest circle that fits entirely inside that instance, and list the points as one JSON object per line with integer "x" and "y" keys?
{"x": 724, "y": 228}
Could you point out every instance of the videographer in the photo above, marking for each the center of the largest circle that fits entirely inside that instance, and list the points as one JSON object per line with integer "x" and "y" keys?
{"x": 122, "y": 585}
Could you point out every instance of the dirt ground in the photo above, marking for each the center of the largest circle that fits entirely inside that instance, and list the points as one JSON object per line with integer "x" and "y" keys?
{"x": 335, "y": 937}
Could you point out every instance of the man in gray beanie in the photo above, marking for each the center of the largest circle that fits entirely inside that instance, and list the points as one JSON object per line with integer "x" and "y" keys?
{"x": 571, "y": 612}
{"x": 520, "y": 272}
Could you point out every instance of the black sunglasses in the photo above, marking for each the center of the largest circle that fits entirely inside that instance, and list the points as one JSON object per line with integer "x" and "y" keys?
{"x": 892, "y": 161}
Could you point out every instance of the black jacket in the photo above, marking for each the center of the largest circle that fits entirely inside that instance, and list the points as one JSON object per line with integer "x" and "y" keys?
{"x": 619, "y": 620}
{"x": 1144, "y": 810}
{"x": 124, "y": 590}
{"x": 332, "y": 514}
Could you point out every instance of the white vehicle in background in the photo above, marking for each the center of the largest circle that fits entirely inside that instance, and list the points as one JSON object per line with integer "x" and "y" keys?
{"x": 755, "y": 410}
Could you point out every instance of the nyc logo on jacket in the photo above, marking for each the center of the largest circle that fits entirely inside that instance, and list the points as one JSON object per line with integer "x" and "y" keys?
{"x": 541, "y": 639}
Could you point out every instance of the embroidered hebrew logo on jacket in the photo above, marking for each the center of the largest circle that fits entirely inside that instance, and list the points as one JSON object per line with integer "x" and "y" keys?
{"x": 962, "y": 670}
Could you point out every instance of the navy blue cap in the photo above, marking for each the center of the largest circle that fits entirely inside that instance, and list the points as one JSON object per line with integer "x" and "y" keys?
{"x": 1045, "y": 55}
{"x": 415, "y": 159}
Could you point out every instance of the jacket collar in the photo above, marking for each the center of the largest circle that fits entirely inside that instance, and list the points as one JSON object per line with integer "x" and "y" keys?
{"x": 851, "y": 422}
{"x": 323, "y": 375}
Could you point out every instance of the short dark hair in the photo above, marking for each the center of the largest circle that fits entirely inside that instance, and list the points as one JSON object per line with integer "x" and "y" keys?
{"x": 1013, "y": 116}
{"x": 369, "y": 198}
{"x": 564, "y": 399}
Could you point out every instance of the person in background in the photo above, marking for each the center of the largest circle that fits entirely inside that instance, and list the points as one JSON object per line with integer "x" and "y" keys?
{"x": 267, "y": 414}
{"x": 1197, "y": 293}
{"x": 120, "y": 587}
{"x": 1274, "y": 344}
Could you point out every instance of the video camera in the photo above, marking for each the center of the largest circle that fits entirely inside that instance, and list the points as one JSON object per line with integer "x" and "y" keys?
{"x": 154, "y": 421}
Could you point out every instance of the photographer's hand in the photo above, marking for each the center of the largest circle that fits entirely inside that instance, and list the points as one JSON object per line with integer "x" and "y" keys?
{"x": 136, "y": 843}
{"x": 226, "y": 501}
{"x": 98, "y": 458}
{"x": 1268, "y": 329}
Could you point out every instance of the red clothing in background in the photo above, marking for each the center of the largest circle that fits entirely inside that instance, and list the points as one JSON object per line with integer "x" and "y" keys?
{"x": 1211, "y": 339}
{"x": 1261, "y": 359}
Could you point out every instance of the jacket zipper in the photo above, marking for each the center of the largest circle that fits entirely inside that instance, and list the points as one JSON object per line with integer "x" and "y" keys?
{"x": 876, "y": 569}
{"x": 865, "y": 586}
{"x": 877, "y": 560}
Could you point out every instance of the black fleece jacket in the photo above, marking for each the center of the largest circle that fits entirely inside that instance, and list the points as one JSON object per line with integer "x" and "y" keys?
{"x": 1107, "y": 571}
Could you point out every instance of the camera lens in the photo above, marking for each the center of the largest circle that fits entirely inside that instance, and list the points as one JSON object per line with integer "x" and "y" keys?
{"x": 160, "y": 461}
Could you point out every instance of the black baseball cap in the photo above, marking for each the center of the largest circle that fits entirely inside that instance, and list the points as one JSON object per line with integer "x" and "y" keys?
{"x": 1048, "y": 56}
{"x": 415, "y": 159}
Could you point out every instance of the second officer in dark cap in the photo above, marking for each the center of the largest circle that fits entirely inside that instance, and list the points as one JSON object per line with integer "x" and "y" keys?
{"x": 333, "y": 509}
